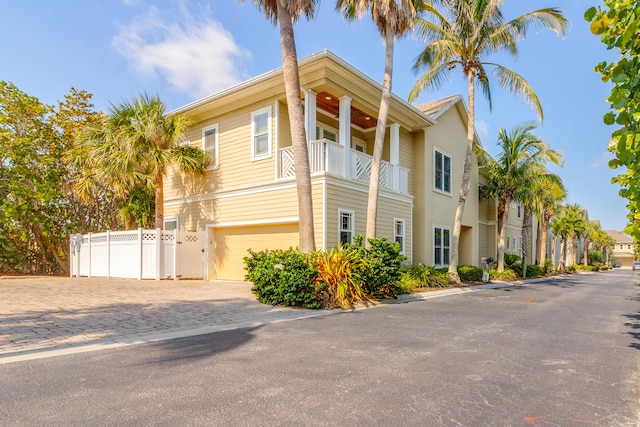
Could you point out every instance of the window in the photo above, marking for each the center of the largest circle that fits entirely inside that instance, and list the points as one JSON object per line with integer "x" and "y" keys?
{"x": 261, "y": 134}
{"x": 210, "y": 143}
{"x": 519, "y": 212}
{"x": 628, "y": 246}
{"x": 508, "y": 243}
{"x": 398, "y": 233}
{"x": 621, "y": 246}
{"x": 346, "y": 226}
{"x": 171, "y": 223}
{"x": 324, "y": 133}
{"x": 442, "y": 168}
{"x": 441, "y": 246}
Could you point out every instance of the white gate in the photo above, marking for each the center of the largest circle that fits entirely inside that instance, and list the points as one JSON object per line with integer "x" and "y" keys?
{"x": 138, "y": 254}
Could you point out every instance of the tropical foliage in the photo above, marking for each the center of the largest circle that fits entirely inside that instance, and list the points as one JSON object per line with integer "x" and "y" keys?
{"x": 132, "y": 149}
{"x": 569, "y": 223}
{"x": 519, "y": 168}
{"x": 618, "y": 25}
{"x": 463, "y": 33}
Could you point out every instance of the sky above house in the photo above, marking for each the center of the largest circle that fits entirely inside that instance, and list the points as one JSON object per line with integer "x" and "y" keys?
{"x": 185, "y": 50}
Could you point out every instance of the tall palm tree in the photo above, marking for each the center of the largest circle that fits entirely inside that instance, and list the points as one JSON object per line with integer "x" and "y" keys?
{"x": 463, "y": 33}
{"x": 393, "y": 18}
{"x": 569, "y": 224}
{"x": 286, "y": 13}
{"x": 551, "y": 200}
{"x": 133, "y": 147}
{"x": 510, "y": 177}
{"x": 533, "y": 196}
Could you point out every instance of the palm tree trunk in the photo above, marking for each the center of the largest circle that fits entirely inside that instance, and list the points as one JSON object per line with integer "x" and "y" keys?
{"x": 543, "y": 243}
{"x": 585, "y": 254}
{"x": 383, "y": 113}
{"x": 158, "y": 187}
{"x": 526, "y": 234}
{"x": 503, "y": 215}
{"x": 298, "y": 136}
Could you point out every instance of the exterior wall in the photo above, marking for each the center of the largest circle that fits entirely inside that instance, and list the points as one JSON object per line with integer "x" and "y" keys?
{"x": 345, "y": 195}
{"x": 435, "y": 208}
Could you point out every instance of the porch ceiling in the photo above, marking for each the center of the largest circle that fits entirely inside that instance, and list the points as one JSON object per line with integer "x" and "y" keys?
{"x": 331, "y": 104}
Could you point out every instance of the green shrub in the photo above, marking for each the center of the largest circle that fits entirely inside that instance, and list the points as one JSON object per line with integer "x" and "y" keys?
{"x": 425, "y": 276}
{"x": 533, "y": 270}
{"x": 408, "y": 283}
{"x": 283, "y": 277}
{"x": 383, "y": 263}
{"x": 510, "y": 260}
{"x": 507, "y": 275}
{"x": 339, "y": 272}
{"x": 470, "y": 273}
{"x": 548, "y": 265}
{"x": 594, "y": 257}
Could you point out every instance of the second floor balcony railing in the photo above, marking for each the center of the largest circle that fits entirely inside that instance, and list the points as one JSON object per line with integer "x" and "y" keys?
{"x": 328, "y": 157}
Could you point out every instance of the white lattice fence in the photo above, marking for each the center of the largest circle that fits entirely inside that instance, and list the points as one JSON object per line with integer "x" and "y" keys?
{"x": 138, "y": 254}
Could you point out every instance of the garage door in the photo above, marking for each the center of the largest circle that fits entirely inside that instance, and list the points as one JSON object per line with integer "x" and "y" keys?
{"x": 231, "y": 246}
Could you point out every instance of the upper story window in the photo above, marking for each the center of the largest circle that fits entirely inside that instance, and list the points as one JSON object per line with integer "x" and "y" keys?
{"x": 325, "y": 133}
{"x": 442, "y": 169}
{"x": 398, "y": 233}
{"x": 628, "y": 246}
{"x": 261, "y": 134}
{"x": 621, "y": 246}
{"x": 519, "y": 211}
{"x": 441, "y": 245}
{"x": 210, "y": 143}
{"x": 346, "y": 225}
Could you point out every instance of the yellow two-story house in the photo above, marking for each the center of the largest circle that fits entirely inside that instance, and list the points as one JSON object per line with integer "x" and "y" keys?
{"x": 248, "y": 197}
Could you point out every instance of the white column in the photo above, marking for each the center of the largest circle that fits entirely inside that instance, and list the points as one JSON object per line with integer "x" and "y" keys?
{"x": 344, "y": 132}
{"x": 310, "y": 114}
{"x": 394, "y": 155}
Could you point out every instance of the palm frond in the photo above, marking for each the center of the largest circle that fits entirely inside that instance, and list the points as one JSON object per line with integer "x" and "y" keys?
{"x": 517, "y": 85}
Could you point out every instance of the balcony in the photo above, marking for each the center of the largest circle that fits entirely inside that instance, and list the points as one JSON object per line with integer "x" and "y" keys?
{"x": 329, "y": 157}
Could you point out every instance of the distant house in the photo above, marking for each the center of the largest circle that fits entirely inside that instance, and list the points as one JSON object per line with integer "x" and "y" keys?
{"x": 248, "y": 198}
{"x": 623, "y": 251}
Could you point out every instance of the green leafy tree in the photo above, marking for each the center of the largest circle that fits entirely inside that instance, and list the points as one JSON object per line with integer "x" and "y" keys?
{"x": 547, "y": 204}
{"x": 393, "y": 20}
{"x": 618, "y": 25}
{"x": 464, "y": 33}
{"x": 286, "y": 13}
{"x": 37, "y": 209}
{"x": 511, "y": 176}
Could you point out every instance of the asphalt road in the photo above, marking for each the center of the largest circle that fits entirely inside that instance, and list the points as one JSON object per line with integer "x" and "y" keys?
{"x": 556, "y": 353}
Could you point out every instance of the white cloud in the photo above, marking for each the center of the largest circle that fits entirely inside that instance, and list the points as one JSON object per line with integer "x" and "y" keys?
{"x": 603, "y": 160}
{"x": 195, "y": 57}
{"x": 482, "y": 128}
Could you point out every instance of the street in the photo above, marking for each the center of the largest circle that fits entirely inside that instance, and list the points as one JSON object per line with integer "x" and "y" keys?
{"x": 560, "y": 352}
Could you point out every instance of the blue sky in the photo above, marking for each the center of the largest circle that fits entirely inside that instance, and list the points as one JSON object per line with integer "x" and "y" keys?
{"x": 184, "y": 50}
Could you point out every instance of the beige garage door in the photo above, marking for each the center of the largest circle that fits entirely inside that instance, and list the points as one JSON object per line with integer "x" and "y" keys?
{"x": 231, "y": 246}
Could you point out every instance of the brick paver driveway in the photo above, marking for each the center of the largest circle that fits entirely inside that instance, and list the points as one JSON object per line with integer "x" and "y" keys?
{"x": 52, "y": 313}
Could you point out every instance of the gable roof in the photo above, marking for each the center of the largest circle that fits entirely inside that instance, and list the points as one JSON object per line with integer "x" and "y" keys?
{"x": 434, "y": 109}
{"x": 619, "y": 237}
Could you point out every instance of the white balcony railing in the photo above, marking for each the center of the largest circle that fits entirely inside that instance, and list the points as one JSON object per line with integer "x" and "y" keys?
{"x": 328, "y": 157}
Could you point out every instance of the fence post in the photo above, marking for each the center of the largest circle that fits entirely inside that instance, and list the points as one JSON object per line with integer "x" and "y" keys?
{"x": 176, "y": 236}
{"x": 90, "y": 241}
{"x": 158, "y": 253}
{"x": 71, "y": 256}
{"x": 109, "y": 254}
{"x": 140, "y": 249}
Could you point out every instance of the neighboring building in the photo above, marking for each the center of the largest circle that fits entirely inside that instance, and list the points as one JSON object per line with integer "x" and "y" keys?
{"x": 623, "y": 251}
{"x": 248, "y": 198}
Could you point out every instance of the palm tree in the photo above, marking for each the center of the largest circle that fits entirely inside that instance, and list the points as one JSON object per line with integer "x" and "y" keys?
{"x": 550, "y": 201}
{"x": 510, "y": 177}
{"x": 285, "y": 13}
{"x": 393, "y": 19}
{"x": 464, "y": 34}
{"x": 569, "y": 224}
{"x": 133, "y": 147}
{"x": 533, "y": 196}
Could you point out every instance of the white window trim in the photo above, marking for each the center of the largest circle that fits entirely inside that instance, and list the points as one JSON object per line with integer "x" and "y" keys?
{"x": 404, "y": 233}
{"x": 216, "y": 151}
{"x": 444, "y": 153}
{"x": 268, "y": 154}
{"x": 169, "y": 219}
{"x": 433, "y": 244}
{"x": 353, "y": 223}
